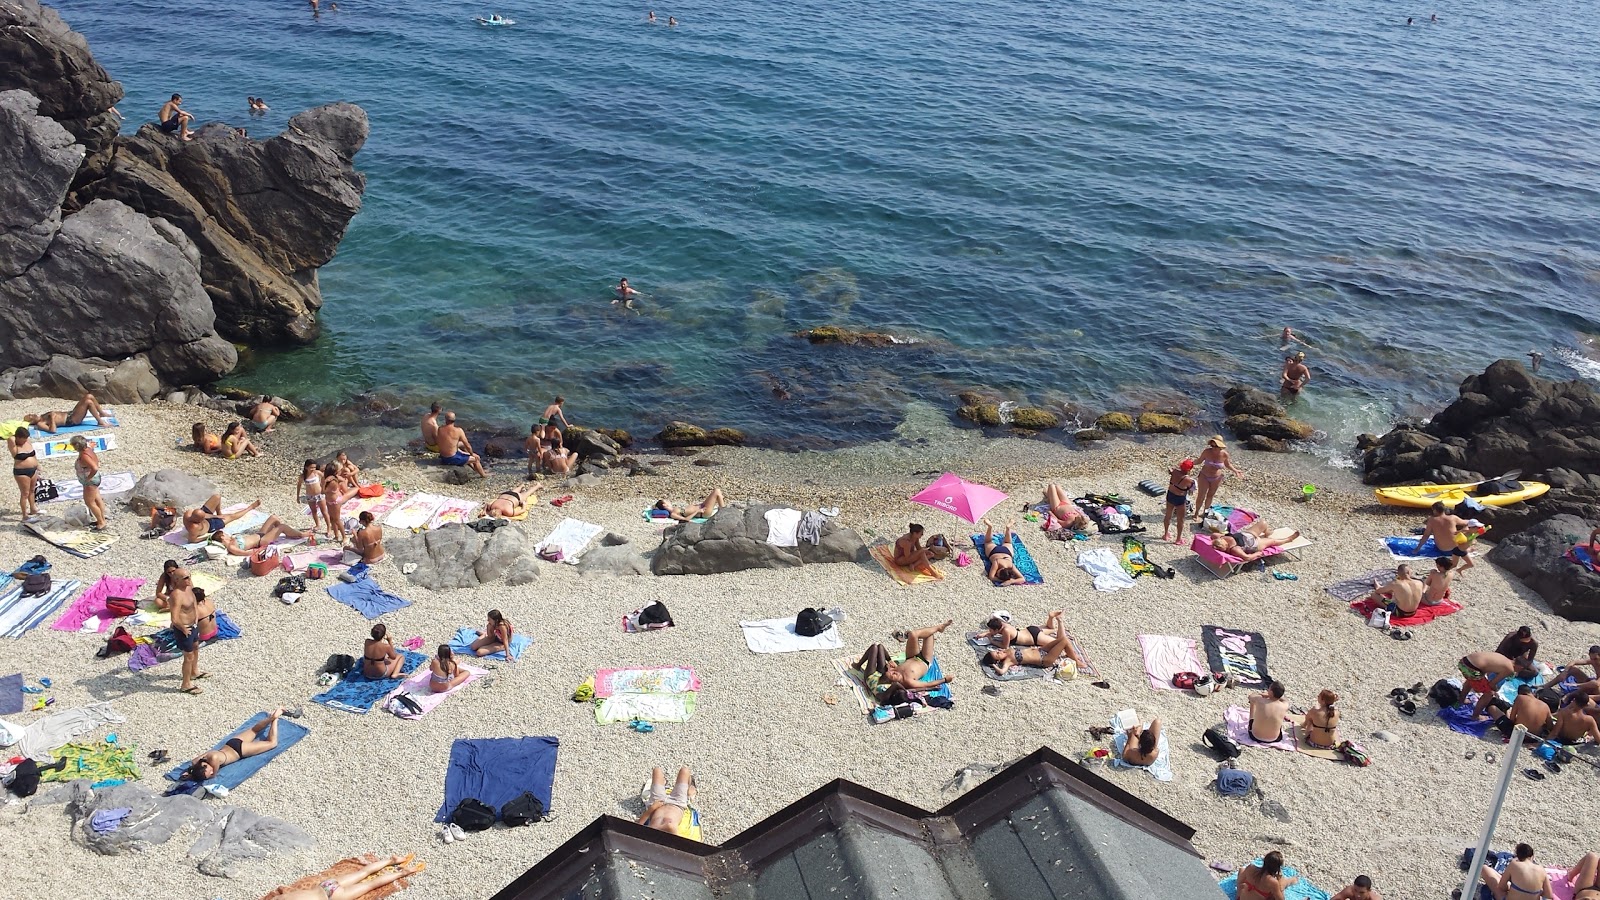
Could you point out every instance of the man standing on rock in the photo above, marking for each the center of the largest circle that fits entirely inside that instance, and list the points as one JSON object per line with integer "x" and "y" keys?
{"x": 1443, "y": 526}
{"x": 174, "y": 119}
{"x": 455, "y": 449}
{"x": 430, "y": 429}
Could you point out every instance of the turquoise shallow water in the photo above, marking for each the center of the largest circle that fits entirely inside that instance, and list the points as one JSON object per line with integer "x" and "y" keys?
{"x": 1100, "y": 204}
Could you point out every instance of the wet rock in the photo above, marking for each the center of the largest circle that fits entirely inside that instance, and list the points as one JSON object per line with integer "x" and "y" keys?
{"x": 706, "y": 463}
{"x": 1366, "y": 441}
{"x": 1114, "y": 421}
{"x": 1256, "y": 414}
{"x": 726, "y": 437}
{"x": 591, "y": 444}
{"x": 169, "y": 487}
{"x": 1278, "y": 429}
{"x": 1265, "y": 444}
{"x": 1248, "y": 401}
{"x": 834, "y": 334}
{"x": 682, "y": 434}
{"x": 735, "y": 539}
{"x": 1161, "y": 423}
{"x": 1537, "y": 556}
{"x": 617, "y": 435}
{"x": 985, "y": 414}
{"x": 1034, "y": 419}
{"x": 1091, "y": 434}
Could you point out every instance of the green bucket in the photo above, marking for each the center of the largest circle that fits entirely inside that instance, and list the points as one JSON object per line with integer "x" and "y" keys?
{"x": 1307, "y": 491}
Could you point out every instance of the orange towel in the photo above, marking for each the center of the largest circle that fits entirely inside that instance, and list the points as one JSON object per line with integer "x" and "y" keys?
{"x": 884, "y": 554}
{"x": 342, "y": 867}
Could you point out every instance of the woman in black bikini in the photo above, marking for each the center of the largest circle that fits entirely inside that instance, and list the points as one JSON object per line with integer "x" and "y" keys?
{"x": 1003, "y": 569}
{"x": 1585, "y": 878}
{"x": 1266, "y": 881}
{"x": 1002, "y": 635}
{"x": 24, "y": 468}
{"x": 1042, "y": 657}
{"x": 379, "y": 659}
{"x": 1523, "y": 878}
{"x": 511, "y": 504}
{"x": 261, "y": 737}
{"x": 1322, "y": 723}
{"x": 1179, "y": 484}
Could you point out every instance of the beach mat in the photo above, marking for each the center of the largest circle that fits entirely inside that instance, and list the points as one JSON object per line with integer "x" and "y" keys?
{"x": 85, "y": 425}
{"x": 11, "y": 694}
{"x": 883, "y": 552}
{"x": 1242, "y": 654}
{"x": 461, "y": 645}
{"x": 1238, "y": 722}
{"x": 1422, "y": 616}
{"x": 981, "y": 649}
{"x": 356, "y": 693}
{"x": 646, "y": 707}
{"x": 231, "y": 776}
{"x": 110, "y": 486}
{"x": 495, "y": 771}
{"x": 1406, "y": 549}
{"x": 572, "y": 536}
{"x": 1353, "y": 589}
{"x": 80, "y": 542}
{"x": 1300, "y": 890}
{"x": 863, "y": 694}
{"x": 414, "y": 511}
{"x": 1303, "y": 745}
{"x": 92, "y": 605}
{"x": 94, "y": 762}
{"x": 332, "y": 557}
{"x": 416, "y": 685}
{"x": 1166, "y": 656}
{"x": 655, "y": 694}
{"x": 63, "y": 449}
{"x": 452, "y": 511}
{"x": 366, "y": 597}
{"x": 1019, "y": 555}
{"x": 1581, "y": 555}
{"x": 640, "y": 680}
{"x": 779, "y": 636}
{"x": 20, "y": 615}
{"x": 1459, "y": 719}
{"x": 347, "y": 866}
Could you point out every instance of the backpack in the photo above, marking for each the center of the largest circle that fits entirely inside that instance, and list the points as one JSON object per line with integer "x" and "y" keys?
{"x": 1552, "y": 697}
{"x": 339, "y": 664}
{"x": 811, "y": 622}
{"x": 118, "y": 607}
{"x": 523, "y": 810}
{"x": 119, "y": 642}
{"x": 45, "y": 490}
{"x": 1217, "y": 741}
{"x": 1444, "y": 693}
{"x": 24, "y": 779}
{"x": 655, "y": 614}
{"x": 1354, "y": 753}
{"x": 36, "y": 584}
{"x": 1185, "y": 681}
{"x": 473, "y": 815}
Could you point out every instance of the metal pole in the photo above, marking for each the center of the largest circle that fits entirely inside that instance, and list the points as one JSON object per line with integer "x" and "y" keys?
{"x": 1509, "y": 769}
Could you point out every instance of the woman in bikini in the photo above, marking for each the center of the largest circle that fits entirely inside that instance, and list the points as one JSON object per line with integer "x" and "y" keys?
{"x": 24, "y": 468}
{"x": 1002, "y": 635}
{"x": 379, "y": 658}
{"x": 889, "y": 680}
{"x": 444, "y": 673}
{"x": 1179, "y": 484}
{"x": 1062, "y": 507}
{"x": 236, "y": 443}
{"x": 1523, "y": 878}
{"x": 361, "y": 882}
{"x": 204, "y": 440}
{"x": 1214, "y": 463}
{"x": 334, "y": 494}
{"x": 511, "y": 504}
{"x": 1144, "y": 744}
{"x": 1266, "y": 881}
{"x": 48, "y": 422}
{"x": 366, "y": 544}
{"x": 1040, "y": 657}
{"x": 495, "y": 636}
{"x": 1585, "y": 878}
{"x": 308, "y": 490}
{"x": 87, "y": 468}
{"x": 1322, "y": 722}
{"x": 348, "y": 470}
{"x": 704, "y": 510}
{"x": 261, "y": 737}
{"x": 1003, "y": 570}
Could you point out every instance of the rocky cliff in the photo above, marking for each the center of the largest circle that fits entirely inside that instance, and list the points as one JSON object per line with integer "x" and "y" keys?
{"x": 148, "y": 246}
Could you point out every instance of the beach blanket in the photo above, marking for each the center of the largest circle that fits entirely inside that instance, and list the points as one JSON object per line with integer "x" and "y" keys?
{"x": 981, "y": 648}
{"x": 461, "y": 644}
{"x": 1242, "y": 654}
{"x": 414, "y": 511}
{"x": 11, "y": 694}
{"x": 163, "y": 645}
{"x": 778, "y": 636}
{"x": 235, "y": 774}
{"x": 89, "y": 423}
{"x": 662, "y": 519}
{"x": 150, "y": 617}
{"x": 883, "y": 552}
{"x": 110, "y": 486}
{"x": 1581, "y": 555}
{"x": 59, "y": 728}
{"x": 20, "y": 615}
{"x": 1422, "y": 616}
{"x": 347, "y": 866}
{"x": 1353, "y": 589}
{"x": 96, "y": 762}
{"x": 250, "y": 521}
{"x": 1405, "y": 549}
{"x": 453, "y": 511}
{"x": 1134, "y": 561}
{"x": 495, "y": 771}
{"x": 1106, "y": 567}
{"x": 655, "y": 680}
{"x": 1497, "y": 861}
{"x": 571, "y": 536}
{"x": 356, "y": 693}
{"x": 92, "y": 605}
{"x": 332, "y": 557}
{"x": 862, "y": 690}
{"x": 649, "y": 707}
{"x": 1160, "y": 770}
{"x": 366, "y": 597}
{"x": 1300, "y": 890}
{"x": 62, "y": 449}
{"x": 417, "y": 687}
{"x": 380, "y": 506}
{"x": 80, "y": 542}
{"x": 1166, "y": 656}
{"x": 1237, "y": 719}
{"x": 1508, "y": 688}
{"x": 1304, "y": 745}
{"x": 1019, "y": 555}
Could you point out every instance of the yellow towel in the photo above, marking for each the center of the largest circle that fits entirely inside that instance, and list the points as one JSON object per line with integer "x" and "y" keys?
{"x": 884, "y": 554}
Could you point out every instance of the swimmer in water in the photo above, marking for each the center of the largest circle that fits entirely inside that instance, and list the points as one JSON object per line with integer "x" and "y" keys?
{"x": 672, "y": 22}
{"x": 1289, "y": 337}
{"x": 1295, "y": 373}
{"x": 1535, "y": 357}
{"x": 625, "y": 294}
{"x": 650, "y": 17}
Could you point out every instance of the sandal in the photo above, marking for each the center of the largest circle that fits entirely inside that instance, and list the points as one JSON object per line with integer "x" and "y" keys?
{"x": 192, "y": 689}
{"x": 1400, "y": 635}
{"x": 1408, "y": 707}
{"x": 1101, "y": 684}
{"x": 1397, "y": 694}
{"x": 1533, "y": 774}
{"x": 1417, "y": 690}
{"x": 159, "y": 756}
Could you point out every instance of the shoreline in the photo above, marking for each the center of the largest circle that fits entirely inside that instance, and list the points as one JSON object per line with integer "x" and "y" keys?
{"x": 763, "y": 735}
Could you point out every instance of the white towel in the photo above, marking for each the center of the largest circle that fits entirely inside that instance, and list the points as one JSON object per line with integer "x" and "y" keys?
{"x": 572, "y": 536}
{"x": 778, "y": 636}
{"x": 1106, "y": 567}
{"x": 50, "y": 732}
{"x": 781, "y": 527}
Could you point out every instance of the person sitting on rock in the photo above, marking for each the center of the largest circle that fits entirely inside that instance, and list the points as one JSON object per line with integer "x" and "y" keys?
{"x": 47, "y": 422}
{"x": 1249, "y": 543}
{"x": 556, "y": 459}
{"x": 455, "y": 449}
{"x": 236, "y": 443}
{"x": 510, "y": 504}
{"x": 263, "y": 416}
{"x": 1401, "y": 594}
{"x": 665, "y": 811}
{"x": 348, "y": 470}
{"x": 209, "y": 517}
{"x": 702, "y": 510}
{"x": 1043, "y": 656}
{"x": 430, "y": 429}
{"x": 174, "y": 120}
{"x": 367, "y": 541}
{"x": 204, "y": 440}
{"x": 271, "y": 530}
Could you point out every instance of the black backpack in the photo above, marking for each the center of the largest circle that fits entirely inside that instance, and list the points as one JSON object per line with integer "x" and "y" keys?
{"x": 523, "y": 810}
{"x": 655, "y": 614}
{"x": 811, "y": 622}
{"x": 1217, "y": 741}
{"x": 24, "y": 779}
{"x": 36, "y": 584}
{"x": 1444, "y": 693}
{"x": 339, "y": 664}
{"x": 473, "y": 815}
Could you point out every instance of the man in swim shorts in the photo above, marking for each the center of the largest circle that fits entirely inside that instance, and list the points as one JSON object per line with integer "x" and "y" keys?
{"x": 174, "y": 120}
{"x": 1482, "y": 672}
{"x": 1267, "y": 712}
{"x": 625, "y": 295}
{"x": 208, "y": 518}
{"x": 430, "y": 429}
{"x": 1296, "y": 374}
{"x": 1402, "y": 594}
{"x": 183, "y": 599}
{"x": 1443, "y": 526}
{"x": 455, "y": 449}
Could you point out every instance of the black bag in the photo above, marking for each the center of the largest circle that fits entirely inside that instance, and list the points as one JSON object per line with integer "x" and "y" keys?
{"x": 655, "y": 614}
{"x": 1444, "y": 693}
{"x": 1552, "y": 697}
{"x": 45, "y": 490}
{"x": 339, "y": 663}
{"x": 1217, "y": 741}
{"x": 36, "y": 584}
{"x": 524, "y": 810}
{"x": 290, "y": 584}
{"x": 1497, "y": 486}
{"x": 473, "y": 815}
{"x": 811, "y": 622}
{"x": 409, "y": 707}
{"x": 24, "y": 779}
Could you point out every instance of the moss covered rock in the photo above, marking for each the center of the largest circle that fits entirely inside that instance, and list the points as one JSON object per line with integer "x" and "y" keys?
{"x": 622, "y": 438}
{"x": 682, "y": 434}
{"x": 1114, "y": 421}
{"x": 1033, "y": 418}
{"x": 1091, "y": 434}
{"x": 730, "y": 436}
{"x": 834, "y": 334}
{"x": 1162, "y": 423}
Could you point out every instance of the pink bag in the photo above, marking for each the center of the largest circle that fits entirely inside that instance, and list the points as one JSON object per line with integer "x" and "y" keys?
{"x": 963, "y": 560}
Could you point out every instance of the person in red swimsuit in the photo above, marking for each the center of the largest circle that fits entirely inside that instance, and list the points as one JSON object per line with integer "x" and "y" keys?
{"x": 1266, "y": 881}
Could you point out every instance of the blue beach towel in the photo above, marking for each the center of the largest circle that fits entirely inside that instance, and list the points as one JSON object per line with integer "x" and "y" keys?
{"x": 367, "y": 598}
{"x": 20, "y": 615}
{"x": 231, "y": 776}
{"x": 1459, "y": 718}
{"x": 88, "y": 424}
{"x": 1406, "y": 548}
{"x": 1300, "y": 890}
{"x": 356, "y": 693}
{"x": 1020, "y": 556}
{"x": 1160, "y": 770}
{"x": 496, "y": 771}
{"x": 881, "y": 714}
{"x": 461, "y": 645}
{"x": 11, "y": 694}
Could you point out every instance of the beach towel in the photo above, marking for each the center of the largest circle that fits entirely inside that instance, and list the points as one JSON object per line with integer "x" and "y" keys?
{"x": 11, "y": 694}
{"x": 1242, "y": 654}
{"x": 379, "y": 506}
{"x": 654, "y": 680}
{"x": 80, "y": 542}
{"x": 92, "y": 605}
{"x": 662, "y": 518}
{"x": 1405, "y": 549}
{"x": 1237, "y": 719}
{"x": 347, "y": 866}
{"x": 163, "y": 645}
{"x": 1019, "y": 555}
{"x": 571, "y": 536}
{"x": 234, "y": 774}
{"x": 20, "y": 615}
{"x": 1133, "y": 560}
{"x": 452, "y": 511}
{"x": 1300, "y": 890}
{"x": 1581, "y": 555}
{"x": 366, "y": 597}
{"x": 495, "y": 771}
{"x": 110, "y": 486}
{"x": 1304, "y": 745}
{"x": 1508, "y": 688}
{"x": 356, "y": 693}
{"x": 782, "y": 524}
{"x": 1497, "y": 861}
{"x": 1160, "y": 770}
{"x": 1106, "y": 567}
{"x": 865, "y": 697}
{"x": 1353, "y": 589}
{"x": 416, "y": 685}
{"x": 461, "y": 645}
{"x": 649, "y": 707}
{"x": 883, "y": 552}
{"x": 981, "y": 648}
{"x": 63, "y": 449}
{"x": 879, "y": 715}
{"x": 778, "y": 636}
{"x": 59, "y": 728}
{"x": 332, "y": 557}
{"x": 96, "y": 762}
{"x": 250, "y": 521}
{"x": 89, "y": 423}
{"x": 150, "y": 617}
{"x": 1166, "y": 656}
{"x": 414, "y": 511}
{"x": 1422, "y": 616}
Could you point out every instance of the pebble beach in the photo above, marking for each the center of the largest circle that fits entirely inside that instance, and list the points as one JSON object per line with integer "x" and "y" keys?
{"x": 765, "y": 732}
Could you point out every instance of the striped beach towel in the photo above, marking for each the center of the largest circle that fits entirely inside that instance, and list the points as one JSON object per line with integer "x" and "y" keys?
{"x": 20, "y": 615}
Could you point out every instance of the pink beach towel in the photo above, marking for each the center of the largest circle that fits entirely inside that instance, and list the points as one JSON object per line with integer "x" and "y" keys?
{"x": 332, "y": 557}
{"x": 1238, "y": 719}
{"x": 1166, "y": 656}
{"x": 654, "y": 680}
{"x": 93, "y": 603}
{"x": 417, "y": 687}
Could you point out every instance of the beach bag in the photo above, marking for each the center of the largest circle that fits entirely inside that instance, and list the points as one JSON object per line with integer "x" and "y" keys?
{"x": 1185, "y": 681}
{"x": 339, "y": 663}
{"x": 370, "y": 490}
{"x": 938, "y": 547}
{"x": 1066, "y": 670}
{"x": 24, "y": 779}
{"x": 473, "y": 815}
{"x": 1379, "y": 618}
{"x": 1444, "y": 693}
{"x": 552, "y": 554}
{"x": 1205, "y": 685}
{"x": 263, "y": 560}
{"x": 45, "y": 490}
{"x": 655, "y": 615}
{"x": 522, "y": 810}
{"x": 405, "y": 706}
{"x": 811, "y": 622}
{"x": 121, "y": 606}
{"x": 120, "y": 642}
{"x": 290, "y": 584}
{"x": 1217, "y": 741}
{"x": 1354, "y": 753}
{"x": 36, "y": 584}
{"x": 165, "y": 518}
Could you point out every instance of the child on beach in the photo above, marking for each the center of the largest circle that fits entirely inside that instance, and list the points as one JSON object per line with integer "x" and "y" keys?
{"x": 308, "y": 490}
{"x": 333, "y": 498}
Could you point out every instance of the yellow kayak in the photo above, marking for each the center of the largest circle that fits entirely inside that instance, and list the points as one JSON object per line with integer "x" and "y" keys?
{"x": 1422, "y": 496}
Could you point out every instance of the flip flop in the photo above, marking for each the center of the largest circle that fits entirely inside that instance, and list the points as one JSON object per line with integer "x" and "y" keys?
{"x": 1101, "y": 684}
{"x": 1398, "y": 694}
{"x": 1533, "y": 774}
{"x": 1417, "y": 689}
{"x": 1408, "y": 707}
{"x": 191, "y": 689}
{"x": 1553, "y": 766}
{"x": 159, "y": 756}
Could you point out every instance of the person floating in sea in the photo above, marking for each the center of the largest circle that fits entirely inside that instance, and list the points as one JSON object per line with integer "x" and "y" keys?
{"x": 257, "y": 104}
{"x": 174, "y": 120}
{"x": 1434, "y": 18}
{"x": 1535, "y": 357}
{"x": 1295, "y": 373}
{"x": 650, "y": 17}
{"x": 1408, "y": 19}
{"x": 672, "y": 22}
{"x": 1289, "y": 337}
{"x": 625, "y": 294}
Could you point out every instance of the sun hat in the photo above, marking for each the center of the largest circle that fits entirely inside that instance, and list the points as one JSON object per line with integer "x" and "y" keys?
{"x": 1216, "y": 441}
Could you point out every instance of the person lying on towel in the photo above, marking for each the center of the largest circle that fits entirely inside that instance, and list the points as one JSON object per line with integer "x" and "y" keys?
{"x": 262, "y": 737}
{"x": 510, "y": 504}
{"x": 666, "y": 810}
{"x": 1042, "y": 656}
{"x": 1249, "y": 543}
{"x": 703, "y": 510}
{"x": 48, "y": 421}
{"x": 1065, "y": 511}
{"x": 1401, "y": 595}
{"x": 1002, "y": 635}
{"x": 361, "y": 882}
{"x": 1143, "y": 743}
{"x": 888, "y": 680}
{"x": 1003, "y": 569}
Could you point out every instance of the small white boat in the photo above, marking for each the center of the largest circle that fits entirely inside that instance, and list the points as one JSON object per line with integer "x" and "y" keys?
{"x": 495, "y": 21}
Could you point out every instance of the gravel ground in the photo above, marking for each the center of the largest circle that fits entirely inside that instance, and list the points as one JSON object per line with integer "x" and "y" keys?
{"x": 763, "y": 734}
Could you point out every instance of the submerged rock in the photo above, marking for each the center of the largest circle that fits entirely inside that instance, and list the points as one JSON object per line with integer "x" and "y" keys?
{"x": 1114, "y": 421}
{"x": 834, "y": 334}
{"x": 683, "y": 434}
{"x": 985, "y": 414}
{"x": 1034, "y": 419}
{"x": 1259, "y": 420}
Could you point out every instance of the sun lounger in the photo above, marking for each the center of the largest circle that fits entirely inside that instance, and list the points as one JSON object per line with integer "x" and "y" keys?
{"x": 1222, "y": 564}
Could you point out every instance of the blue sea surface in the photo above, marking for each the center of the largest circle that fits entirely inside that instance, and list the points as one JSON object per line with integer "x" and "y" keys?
{"x": 1097, "y": 205}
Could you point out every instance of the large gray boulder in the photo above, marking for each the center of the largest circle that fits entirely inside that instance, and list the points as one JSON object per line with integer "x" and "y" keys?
{"x": 40, "y": 159}
{"x": 457, "y": 556}
{"x": 46, "y": 57}
{"x": 735, "y": 539}
{"x": 614, "y": 556}
{"x": 131, "y": 380}
{"x": 169, "y": 487}
{"x": 1537, "y": 555}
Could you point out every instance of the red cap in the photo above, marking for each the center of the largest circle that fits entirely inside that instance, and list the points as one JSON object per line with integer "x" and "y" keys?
{"x": 1186, "y": 465}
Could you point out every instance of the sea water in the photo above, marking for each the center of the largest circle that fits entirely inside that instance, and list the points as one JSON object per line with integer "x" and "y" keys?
{"x": 1095, "y": 205}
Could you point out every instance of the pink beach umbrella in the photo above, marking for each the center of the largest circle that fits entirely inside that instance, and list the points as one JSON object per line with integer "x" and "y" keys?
{"x": 959, "y": 497}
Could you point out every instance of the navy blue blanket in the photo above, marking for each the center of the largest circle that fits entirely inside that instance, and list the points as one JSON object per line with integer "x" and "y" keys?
{"x": 496, "y": 771}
